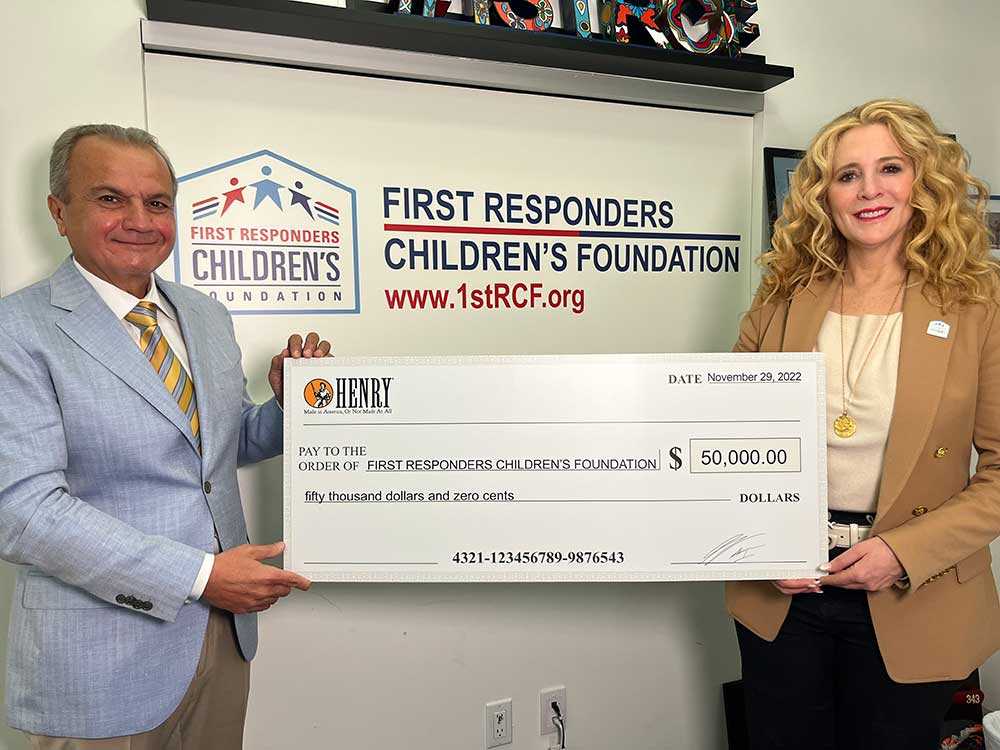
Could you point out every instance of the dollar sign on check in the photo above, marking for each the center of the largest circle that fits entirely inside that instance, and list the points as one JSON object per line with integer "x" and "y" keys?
{"x": 675, "y": 458}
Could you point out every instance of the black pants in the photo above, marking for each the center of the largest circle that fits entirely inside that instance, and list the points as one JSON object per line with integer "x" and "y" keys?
{"x": 822, "y": 684}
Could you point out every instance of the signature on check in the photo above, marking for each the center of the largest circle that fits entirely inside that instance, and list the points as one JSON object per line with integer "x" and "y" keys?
{"x": 736, "y": 548}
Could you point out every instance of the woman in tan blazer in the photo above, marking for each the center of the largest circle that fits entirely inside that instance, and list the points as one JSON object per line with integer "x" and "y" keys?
{"x": 881, "y": 261}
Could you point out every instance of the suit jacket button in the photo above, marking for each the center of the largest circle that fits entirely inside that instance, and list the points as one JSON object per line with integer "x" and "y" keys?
{"x": 121, "y": 599}
{"x": 208, "y": 488}
{"x": 919, "y": 510}
{"x": 940, "y": 453}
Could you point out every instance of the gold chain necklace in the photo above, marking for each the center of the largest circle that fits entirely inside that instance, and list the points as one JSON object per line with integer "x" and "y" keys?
{"x": 845, "y": 426}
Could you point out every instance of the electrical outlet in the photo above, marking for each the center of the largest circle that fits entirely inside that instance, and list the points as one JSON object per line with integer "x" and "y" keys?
{"x": 545, "y": 711}
{"x": 499, "y": 723}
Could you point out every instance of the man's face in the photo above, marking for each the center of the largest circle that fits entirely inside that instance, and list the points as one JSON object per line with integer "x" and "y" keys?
{"x": 119, "y": 218}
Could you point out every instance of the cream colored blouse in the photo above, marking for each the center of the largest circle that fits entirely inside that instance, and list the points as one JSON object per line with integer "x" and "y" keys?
{"x": 854, "y": 464}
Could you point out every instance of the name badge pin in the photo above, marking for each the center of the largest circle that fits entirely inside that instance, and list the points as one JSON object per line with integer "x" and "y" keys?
{"x": 938, "y": 328}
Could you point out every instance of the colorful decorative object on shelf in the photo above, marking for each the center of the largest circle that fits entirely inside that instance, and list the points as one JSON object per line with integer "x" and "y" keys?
{"x": 540, "y": 21}
{"x": 700, "y": 26}
{"x": 704, "y": 27}
{"x": 481, "y": 11}
{"x": 429, "y": 8}
{"x": 646, "y": 15}
{"x": 579, "y": 10}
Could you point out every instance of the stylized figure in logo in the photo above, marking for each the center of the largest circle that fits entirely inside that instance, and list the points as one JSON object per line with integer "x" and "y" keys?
{"x": 318, "y": 393}
{"x": 233, "y": 196}
{"x": 266, "y": 188}
{"x": 323, "y": 396}
{"x": 301, "y": 199}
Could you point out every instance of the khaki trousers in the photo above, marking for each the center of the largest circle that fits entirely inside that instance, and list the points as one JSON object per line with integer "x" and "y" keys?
{"x": 211, "y": 713}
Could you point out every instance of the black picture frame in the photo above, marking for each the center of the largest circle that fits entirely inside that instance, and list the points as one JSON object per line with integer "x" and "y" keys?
{"x": 993, "y": 222}
{"x": 779, "y": 163}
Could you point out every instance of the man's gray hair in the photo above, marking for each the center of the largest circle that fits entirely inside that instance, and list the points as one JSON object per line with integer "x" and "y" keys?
{"x": 63, "y": 147}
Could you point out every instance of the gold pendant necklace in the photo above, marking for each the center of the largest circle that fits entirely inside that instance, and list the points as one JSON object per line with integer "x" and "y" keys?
{"x": 845, "y": 425}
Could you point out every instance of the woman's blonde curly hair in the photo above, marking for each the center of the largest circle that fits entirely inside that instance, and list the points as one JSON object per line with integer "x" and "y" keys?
{"x": 947, "y": 241}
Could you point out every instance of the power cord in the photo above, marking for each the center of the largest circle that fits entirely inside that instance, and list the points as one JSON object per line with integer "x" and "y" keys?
{"x": 560, "y": 724}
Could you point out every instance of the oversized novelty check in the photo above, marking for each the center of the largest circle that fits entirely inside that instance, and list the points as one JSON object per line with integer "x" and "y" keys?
{"x": 557, "y": 468}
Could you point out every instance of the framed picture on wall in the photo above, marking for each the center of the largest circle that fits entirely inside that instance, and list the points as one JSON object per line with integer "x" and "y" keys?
{"x": 993, "y": 222}
{"x": 779, "y": 163}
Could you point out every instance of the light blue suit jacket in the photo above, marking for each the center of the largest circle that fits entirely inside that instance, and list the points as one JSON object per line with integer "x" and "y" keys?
{"x": 104, "y": 498}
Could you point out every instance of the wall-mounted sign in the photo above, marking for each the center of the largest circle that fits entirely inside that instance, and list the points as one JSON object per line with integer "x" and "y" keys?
{"x": 309, "y": 208}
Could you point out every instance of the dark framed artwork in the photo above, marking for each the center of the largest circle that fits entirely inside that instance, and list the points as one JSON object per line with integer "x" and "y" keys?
{"x": 779, "y": 163}
{"x": 993, "y": 222}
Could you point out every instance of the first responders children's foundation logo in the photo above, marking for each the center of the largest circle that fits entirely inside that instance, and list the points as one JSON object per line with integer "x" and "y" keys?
{"x": 265, "y": 235}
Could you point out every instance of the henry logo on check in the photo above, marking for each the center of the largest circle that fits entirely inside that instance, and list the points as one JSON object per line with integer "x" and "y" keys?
{"x": 348, "y": 395}
{"x": 263, "y": 234}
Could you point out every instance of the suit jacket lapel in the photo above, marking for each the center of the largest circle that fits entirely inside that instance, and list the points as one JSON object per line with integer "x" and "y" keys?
{"x": 806, "y": 313}
{"x": 923, "y": 364}
{"x": 96, "y": 330}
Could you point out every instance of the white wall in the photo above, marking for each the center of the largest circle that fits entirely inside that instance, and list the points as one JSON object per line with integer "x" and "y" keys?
{"x": 64, "y": 63}
{"x": 642, "y": 662}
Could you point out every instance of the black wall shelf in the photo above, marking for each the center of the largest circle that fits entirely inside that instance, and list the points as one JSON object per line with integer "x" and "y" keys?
{"x": 369, "y": 26}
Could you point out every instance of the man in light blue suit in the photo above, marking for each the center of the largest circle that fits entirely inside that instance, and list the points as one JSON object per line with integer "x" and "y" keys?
{"x": 123, "y": 418}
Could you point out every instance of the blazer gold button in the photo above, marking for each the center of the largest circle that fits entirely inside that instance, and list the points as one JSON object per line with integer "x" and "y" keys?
{"x": 919, "y": 510}
{"x": 940, "y": 453}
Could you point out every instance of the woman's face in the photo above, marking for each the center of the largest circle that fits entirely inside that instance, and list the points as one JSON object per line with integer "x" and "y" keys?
{"x": 869, "y": 196}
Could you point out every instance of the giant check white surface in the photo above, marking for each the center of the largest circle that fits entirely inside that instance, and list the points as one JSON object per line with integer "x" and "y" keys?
{"x": 624, "y": 467}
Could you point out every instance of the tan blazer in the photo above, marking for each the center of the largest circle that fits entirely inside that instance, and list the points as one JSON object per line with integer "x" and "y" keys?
{"x": 937, "y": 521}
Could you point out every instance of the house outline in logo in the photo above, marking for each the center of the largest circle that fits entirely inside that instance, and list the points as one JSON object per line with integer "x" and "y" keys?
{"x": 305, "y": 170}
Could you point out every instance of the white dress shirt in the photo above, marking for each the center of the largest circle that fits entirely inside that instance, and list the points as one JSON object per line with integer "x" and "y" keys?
{"x": 121, "y": 304}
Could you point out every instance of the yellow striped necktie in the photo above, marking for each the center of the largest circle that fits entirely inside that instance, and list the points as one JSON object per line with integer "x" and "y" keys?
{"x": 165, "y": 362}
